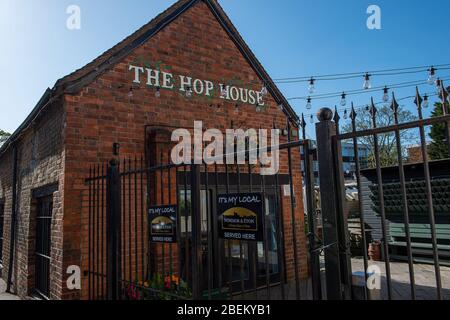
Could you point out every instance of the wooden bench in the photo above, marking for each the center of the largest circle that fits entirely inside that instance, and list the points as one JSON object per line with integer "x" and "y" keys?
{"x": 422, "y": 248}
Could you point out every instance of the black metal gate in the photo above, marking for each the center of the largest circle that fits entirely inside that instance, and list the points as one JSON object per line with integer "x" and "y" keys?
{"x": 408, "y": 203}
{"x": 123, "y": 262}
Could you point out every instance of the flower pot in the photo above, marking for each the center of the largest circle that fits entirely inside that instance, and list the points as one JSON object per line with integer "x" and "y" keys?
{"x": 375, "y": 251}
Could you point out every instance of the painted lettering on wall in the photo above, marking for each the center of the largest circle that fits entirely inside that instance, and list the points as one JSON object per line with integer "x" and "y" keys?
{"x": 156, "y": 78}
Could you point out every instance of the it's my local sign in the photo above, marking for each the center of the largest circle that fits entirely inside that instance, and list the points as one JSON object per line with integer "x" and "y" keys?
{"x": 186, "y": 84}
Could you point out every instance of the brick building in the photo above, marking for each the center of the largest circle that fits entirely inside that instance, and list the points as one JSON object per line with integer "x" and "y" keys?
{"x": 149, "y": 81}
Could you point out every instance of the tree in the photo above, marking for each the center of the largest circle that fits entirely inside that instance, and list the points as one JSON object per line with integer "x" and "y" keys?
{"x": 438, "y": 148}
{"x": 386, "y": 142}
{"x": 3, "y": 136}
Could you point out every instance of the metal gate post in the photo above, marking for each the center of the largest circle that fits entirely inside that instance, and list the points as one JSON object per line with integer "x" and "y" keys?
{"x": 196, "y": 231}
{"x": 311, "y": 205}
{"x": 113, "y": 224}
{"x": 332, "y": 208}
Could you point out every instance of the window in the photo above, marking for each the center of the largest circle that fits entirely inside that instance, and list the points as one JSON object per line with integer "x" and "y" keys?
{"x": 2, "y": 220}
{"x": 43, "y": 246}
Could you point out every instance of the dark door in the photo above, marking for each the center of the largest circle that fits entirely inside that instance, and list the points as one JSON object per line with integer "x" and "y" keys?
{"x": 248, "y": 262}
{"x": 43, "y": 245}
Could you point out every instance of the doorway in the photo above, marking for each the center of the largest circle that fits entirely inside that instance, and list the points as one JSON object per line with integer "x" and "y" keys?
{"x": 43, "y": 247}
{"x": 243, "y": 262}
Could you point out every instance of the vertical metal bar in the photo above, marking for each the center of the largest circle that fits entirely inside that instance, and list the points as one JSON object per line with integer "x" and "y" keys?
{"x": 293, "y": 222}
{"x": 143, "y": 213}
{"x": 178, "y": 196}
{"x": 280, "y": 225}
{"x": 187, "y": 261}
{"x": 169, "y": 188}
{"x": 230, "y": 258}
{"x": 401, "y": 173}
{"x": 280, "y": 235}
{"x": 254, "y": 245}
{"x": 361, "y": 201}
{"x": 241, "y": 259}
{"x": 209, "y": 234}
{"x": 220, "y": 242}
{"x": 136, "y": 240}
{"x": 90, "y": 240}
{"x": 381, "y": 201}
{"x": 265, "y": 238}
{"x": 426, "y": 168}
{"x": 97, "y": 213}
{"x": 311, "y": 205}
{"x": 196, "y": 231}
{"x": 123, "y": 218}
{"x": 343, "y": 238}
{"x": 114, "y": 234}
{"x": 103, "y": 174}
{"x": 163, "y": 245}
{"x": 130, "y": 261}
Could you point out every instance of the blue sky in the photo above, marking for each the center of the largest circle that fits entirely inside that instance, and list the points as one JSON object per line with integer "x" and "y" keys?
{"x": 290, "y": 37}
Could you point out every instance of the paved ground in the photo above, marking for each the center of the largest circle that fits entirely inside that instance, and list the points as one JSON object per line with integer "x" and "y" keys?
{"x": 3, "y": 294}
{"x": 424, "y": 276}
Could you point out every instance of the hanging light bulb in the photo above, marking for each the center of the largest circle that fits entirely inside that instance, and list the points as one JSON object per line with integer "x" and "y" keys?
{"x": 367, "y": 84}
{"x": 218, "y": 108}
{"x": 431, "y": 76}
{"x": 343, "y": 99}
{"x": 236, "y": 109}
{"x": 158, "y": 92}
{"x": 281, "y": 107}
{"x": 425, "y": 102}
{"x": 311, "y": 87}
{"x": 386, "y": 94}
{"x": 311, "y": 119}
{"x": 308, "y": 104}
{"x": 188, "y": 92}
{"x": 130, "y": 93}
{"x": 345, "y": 114}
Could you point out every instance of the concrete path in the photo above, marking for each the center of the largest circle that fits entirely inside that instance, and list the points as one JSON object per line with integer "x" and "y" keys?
{"x": 4, "y": 295}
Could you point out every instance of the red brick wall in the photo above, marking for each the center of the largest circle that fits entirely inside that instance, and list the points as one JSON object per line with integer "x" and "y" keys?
{"x": 102, "y": 113}
{"x": 40, "y": 163}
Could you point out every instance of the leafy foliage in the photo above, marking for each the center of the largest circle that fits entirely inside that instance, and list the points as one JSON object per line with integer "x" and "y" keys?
{"x": 3, "y": 136}
{"x": 386, "y": 142}
{"x": 438, "y": 148}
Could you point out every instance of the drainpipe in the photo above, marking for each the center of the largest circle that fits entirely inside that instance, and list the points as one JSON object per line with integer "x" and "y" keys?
{"x": 13, "y": 219}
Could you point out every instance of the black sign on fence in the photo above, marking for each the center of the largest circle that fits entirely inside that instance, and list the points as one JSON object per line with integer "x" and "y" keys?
{"x": 163, "y": 224}
{"x": 240, "y": 216}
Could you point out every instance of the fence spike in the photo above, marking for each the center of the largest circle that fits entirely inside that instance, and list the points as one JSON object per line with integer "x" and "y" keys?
{"x": 373, "y": 112}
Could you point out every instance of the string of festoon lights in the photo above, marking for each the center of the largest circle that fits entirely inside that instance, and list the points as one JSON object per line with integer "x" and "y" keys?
{"x": 345, "y": 112}
{"x": 367, "y": 87}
